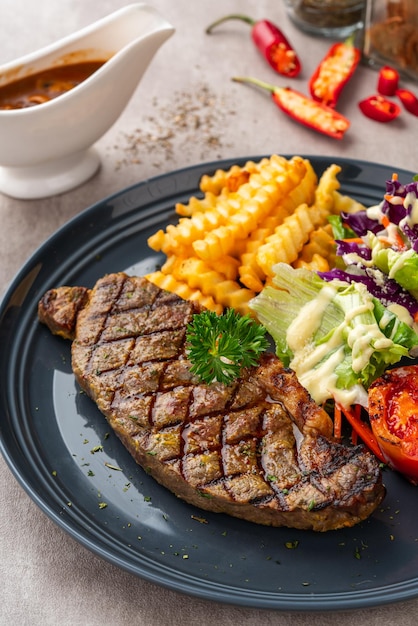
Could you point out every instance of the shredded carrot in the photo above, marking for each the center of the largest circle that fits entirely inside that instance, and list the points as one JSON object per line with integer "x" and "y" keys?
{"x": 337, "y": 421}
{"x": 385, "y": 221}
{"x": 395, "y": 176}
{"x": 363, "y": 430}
{"x": 353, "y": 240}
{"x": 416, "y": 317}
{"x": 399, "y": 241}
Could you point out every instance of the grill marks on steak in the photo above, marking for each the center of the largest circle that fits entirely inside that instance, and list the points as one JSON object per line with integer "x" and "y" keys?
{"x": 259, "y": 449}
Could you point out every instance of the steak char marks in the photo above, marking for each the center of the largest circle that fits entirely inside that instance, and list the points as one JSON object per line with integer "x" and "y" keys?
{"x": 259, "y": 449}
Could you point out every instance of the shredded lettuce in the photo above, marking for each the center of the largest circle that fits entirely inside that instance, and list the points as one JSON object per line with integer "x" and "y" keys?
{"x": 400, "y": 266}
{"x": 336, "y": 336}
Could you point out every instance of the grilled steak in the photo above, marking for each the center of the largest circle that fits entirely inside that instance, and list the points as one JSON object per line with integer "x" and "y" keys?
{"x": 259, "y": 449}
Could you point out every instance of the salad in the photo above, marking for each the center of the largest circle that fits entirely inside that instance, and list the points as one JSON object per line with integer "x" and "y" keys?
{"x": 341, "y": 330}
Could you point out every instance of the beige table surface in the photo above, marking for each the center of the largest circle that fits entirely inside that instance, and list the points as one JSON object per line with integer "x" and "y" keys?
{"x": 47, "y": 577}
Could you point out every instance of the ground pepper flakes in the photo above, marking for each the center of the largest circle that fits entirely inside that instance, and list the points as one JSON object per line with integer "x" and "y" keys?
{"x": 191, "y": 118}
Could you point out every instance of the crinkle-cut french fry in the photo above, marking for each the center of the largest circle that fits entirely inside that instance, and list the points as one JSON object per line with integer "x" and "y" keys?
{"x": 238, "y": 248}
{"x": 227, "y": 179}
{"x": 178, "y": 238}
{"x": 220, "y": 241}
{"x": 228, "y": 266}
{"x": 199, "y": 275}
{"x": 250, "y": 273}
{"x": 346, "y": 204}
{"x": 219, "y": 180}
{"x": 195, "y": 205}
{"x": 233, "y": 296}
{"x": 317, "y": 264}
{"x": 156, "y": 241}
{"x": 215, "y": 245}
{"x": 234, "y": 182}
{"x": 321, "y": 244}
{"x": 169, "y": 283}
{"x": 327, "y": 185}
{"x": 222, "y": 250}
{"x": 302, "y": 193}
{"x": 284, "y": 246}
{"x": 289, "y": 238}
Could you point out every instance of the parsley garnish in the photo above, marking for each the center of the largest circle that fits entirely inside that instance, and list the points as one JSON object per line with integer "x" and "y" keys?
{"x": 221, "y": 346}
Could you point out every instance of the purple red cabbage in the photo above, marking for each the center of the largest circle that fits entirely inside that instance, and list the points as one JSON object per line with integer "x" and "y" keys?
{"x": 390, "y": 292}
{"x": 387, "y": 290}
{"x": 360, "y": 223}
{"x": 348, "y": 247}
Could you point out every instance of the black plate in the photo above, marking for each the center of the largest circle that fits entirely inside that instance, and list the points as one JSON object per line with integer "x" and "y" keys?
{"x": 49, "y": 432}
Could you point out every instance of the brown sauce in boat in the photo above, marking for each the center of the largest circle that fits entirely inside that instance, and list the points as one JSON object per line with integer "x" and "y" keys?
{"x": 46, "y": 85}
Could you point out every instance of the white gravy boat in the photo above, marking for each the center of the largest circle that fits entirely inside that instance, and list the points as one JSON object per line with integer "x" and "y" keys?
{"x": 46, "y": 149}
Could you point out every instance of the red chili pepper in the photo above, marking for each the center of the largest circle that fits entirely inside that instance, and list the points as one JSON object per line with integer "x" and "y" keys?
{"x": 308, "y": 112}
{"x": 388, "y": 81}
{"x": 363, "y": 430}
{"x": 409, "y": 100}
{"x": 379, "y": 109}
{"x": 334, "y": 72}
{"x": 271, "y": 42}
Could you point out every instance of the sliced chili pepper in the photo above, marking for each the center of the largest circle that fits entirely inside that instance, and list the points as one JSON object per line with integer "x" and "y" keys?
{"x": 334, "y": 72}
{"x": 271, "y": 42}
{"x": 388, "y": 81}
{"x": 379, "y": 108}
{"x": 363, "y": 430}
{"x": 409, "y": 100}
{"x": 308, "y": 112}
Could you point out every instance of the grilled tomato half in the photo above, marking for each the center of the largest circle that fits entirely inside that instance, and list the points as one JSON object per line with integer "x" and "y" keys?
{"x": 393, "y": 411}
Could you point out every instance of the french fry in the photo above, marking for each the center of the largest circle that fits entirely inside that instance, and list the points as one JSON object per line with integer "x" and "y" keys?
{"x": 249, "y": 213}
{"x": 289, "y": 238}
{"x": 251, "y": 273}
{"x": 225, "y": 244}
{"x": 198, "y": 275}
{"x": 346, "y": 204}
{"x": 319, "y": 252}
{"x": 196, "y": 204}
{"x": 169, "y": 283}
{"x": 228, "y": 179}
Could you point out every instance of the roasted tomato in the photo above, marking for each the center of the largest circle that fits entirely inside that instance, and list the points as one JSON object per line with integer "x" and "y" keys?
{"x": 393, "y": 411}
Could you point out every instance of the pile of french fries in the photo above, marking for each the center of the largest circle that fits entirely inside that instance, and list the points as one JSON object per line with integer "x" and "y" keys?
{"x": 224, "y": 247}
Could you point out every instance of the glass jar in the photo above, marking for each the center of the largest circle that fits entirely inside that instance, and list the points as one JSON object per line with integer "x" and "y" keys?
{"x": 328, "y": 18}
{"x": 391, "y": 35}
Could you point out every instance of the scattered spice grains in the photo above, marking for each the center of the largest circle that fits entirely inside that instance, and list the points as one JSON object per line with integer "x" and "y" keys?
{"x": 190, "y": 118}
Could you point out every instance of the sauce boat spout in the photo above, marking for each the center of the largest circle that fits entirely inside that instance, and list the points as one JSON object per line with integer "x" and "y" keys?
{"x": 46, "y": 148}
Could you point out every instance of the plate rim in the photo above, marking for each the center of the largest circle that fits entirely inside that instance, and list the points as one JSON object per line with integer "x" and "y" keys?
{"x": 180, "y": 582}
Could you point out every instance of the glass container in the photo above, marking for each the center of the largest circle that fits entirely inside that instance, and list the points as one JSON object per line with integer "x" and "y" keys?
{"x": 327, "y": 18}
{"x": 391, "y": 35}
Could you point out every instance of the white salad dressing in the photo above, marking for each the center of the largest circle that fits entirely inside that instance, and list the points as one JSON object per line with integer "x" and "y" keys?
{"x": 374, "y": 212}
{"x": 315, "y": 365}
{"x": 309, "y": 319}
{"x": 411, "y": 200}
{"x": 364, "y": 339}
{"x": 400, "y": 261}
